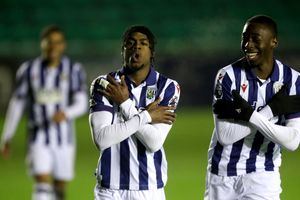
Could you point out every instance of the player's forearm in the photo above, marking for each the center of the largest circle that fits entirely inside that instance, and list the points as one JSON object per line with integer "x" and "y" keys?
{"x": 153, "y": 136}
{"x": 13, "y": 116}
{"x": 78, "y": 107}
{"x": 128, "y": 109}
{"x": 226, "y": 129}
{"x": 287, "y": 136}
{"x": 106, "y": 134}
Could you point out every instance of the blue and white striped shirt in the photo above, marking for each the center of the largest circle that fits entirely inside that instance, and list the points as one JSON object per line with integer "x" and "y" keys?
{"x": 255, "y": 152}
{"x": 46, "y": 90}
{"x": 128, "y": 164}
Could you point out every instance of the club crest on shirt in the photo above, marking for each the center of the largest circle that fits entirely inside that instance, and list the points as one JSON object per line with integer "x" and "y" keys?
{"x": 150, "y": 93}
{"x": 277, "y": 86}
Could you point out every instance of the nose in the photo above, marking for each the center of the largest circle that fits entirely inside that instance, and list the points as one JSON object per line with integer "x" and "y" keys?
{"x": 137, "y": 45}
{"x": 249, "y": 44}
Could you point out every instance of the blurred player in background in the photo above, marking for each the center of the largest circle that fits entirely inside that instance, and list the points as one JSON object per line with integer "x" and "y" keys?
{"x": 130, "y": 118}
{"x": 52, "y": 88}
{"x": 256, "y": 113}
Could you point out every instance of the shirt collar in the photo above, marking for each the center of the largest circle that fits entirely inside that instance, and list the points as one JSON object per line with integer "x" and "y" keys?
{"x": 251, "y": 75}
{"x": 150, "y": 79}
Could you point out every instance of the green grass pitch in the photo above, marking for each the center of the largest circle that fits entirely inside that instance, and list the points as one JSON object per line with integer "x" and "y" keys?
{"x": 186, "y": 149}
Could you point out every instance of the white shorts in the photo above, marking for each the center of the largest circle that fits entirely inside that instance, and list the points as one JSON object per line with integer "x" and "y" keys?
{"x": 56, "y": 161}
{"x": 111, "y": 194}
{"x": 253, "y": 186}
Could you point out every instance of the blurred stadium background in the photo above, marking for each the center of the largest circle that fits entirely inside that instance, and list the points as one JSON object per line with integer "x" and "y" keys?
{"x": 195, "y": 38}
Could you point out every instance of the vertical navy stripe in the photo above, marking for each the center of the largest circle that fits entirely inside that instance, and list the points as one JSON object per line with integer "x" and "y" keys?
{"x": 157, "y": 164}
{"x": 32, "y": 126}
{"x": 269, "y": 164}
{"x": 44, "y": 112}
{"x": 106, "y": 167}
{"x": 237, "y": 146}
{"x": 269, "y": 92}
{"x": 287, "y": 75}
{"x": 161, "y": 82}
{"x": 257, "y": 142}
{"x": 143, "y": 173}
{"x": 124, "y": 165}
{"x": 169, "y": 93}
{"x": 142, "y": 101}
{"x": 237, "y": 76}
{"x": 275, "y": 72}
{"x": 57, "y": 106}
{"x": 216, "y": 158}
{"x": 226, "y": 87}
{"x": 258, "y": 138}
{"x": 234, "y": 157}
{"x": 70, "y": 83}
{"x": 69, "y": 101}
{"x": 297, "y": 86}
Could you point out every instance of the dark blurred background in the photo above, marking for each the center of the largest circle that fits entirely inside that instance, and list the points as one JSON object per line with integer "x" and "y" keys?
{"x": 195, "y": 37}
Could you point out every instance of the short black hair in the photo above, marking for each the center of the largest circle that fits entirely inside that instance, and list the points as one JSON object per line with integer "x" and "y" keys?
{"x": 140, "y": 29}
{"x": 49, "y": 30}
{"x": 266, "y": 20}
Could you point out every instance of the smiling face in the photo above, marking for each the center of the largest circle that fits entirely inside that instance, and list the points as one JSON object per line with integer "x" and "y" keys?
{"x": 258, "y": 43}
{"x": 136, "y": 52}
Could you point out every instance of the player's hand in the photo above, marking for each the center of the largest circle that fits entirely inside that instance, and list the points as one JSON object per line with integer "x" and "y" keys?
{"x": 238, "y": 109}
{"x": 5, "y": 150}
{"x": 281, "y": 103}
{"x": 161, "y": 114}
{"x": 59, "y": 116}
{"x": 117, "y": 92}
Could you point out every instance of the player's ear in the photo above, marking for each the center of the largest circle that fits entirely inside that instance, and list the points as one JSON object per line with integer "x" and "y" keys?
{"x": 274, "y": 42}
{"x": 152, "y": 55}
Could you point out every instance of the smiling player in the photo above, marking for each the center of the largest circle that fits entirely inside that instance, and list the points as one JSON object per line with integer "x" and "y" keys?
{"x": 256, "y": 113}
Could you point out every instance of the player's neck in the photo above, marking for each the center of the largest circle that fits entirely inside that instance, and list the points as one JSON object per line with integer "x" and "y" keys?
{"x": 139, "y": 76}
{"x": 264, "y": 71}
{"x": 53, "y": 63}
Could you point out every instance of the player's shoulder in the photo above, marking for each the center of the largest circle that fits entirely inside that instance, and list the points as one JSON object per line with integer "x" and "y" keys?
{"x": 96, "y": 82}
{"x": 285, "y": 67}
{"x": 26, "y": 66}
{"x": 163, "y": 78}
{"x": 74, "y": 64}
{"x": 231, "y": 69}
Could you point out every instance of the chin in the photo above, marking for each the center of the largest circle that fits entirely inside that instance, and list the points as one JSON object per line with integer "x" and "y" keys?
{"x": 135, "y": 67}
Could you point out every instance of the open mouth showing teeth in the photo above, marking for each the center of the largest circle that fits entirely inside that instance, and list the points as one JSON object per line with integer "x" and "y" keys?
{"x": 251, "y": 55}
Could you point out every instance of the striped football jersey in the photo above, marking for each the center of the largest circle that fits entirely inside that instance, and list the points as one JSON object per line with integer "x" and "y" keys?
{"x": 254, "y": 153}
{"x": 128, "y": 165}
{"x": 47, "y": 90}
